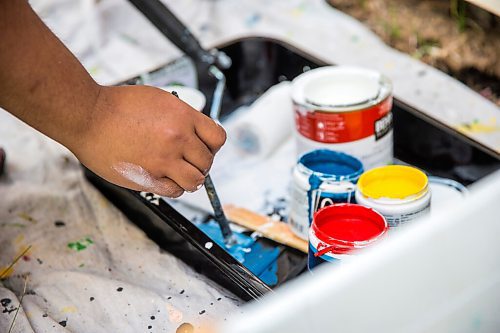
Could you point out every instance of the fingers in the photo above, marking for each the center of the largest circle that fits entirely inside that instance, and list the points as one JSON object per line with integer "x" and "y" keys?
{"x": 210, "y": 133}
{"x": 199, "y": 155}
{"x": 185, "y": 175}
{"x": 166, "y": 187}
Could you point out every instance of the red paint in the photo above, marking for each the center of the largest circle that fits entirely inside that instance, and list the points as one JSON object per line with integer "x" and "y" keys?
{"x": 340, "y": 127}
{"x": 343, "y": 227}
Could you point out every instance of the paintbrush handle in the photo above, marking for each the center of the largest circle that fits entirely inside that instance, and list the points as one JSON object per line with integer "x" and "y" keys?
{"x": 219, "y": 215}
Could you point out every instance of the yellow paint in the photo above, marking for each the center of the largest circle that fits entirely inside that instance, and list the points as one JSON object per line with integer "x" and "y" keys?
{"x": 392, "y": 181}
{"x": 69, "y": 309}
{"x": 103, "y": 202}
{"x": 26, "y": 217}
{"x": 476, "y": 127}
{"x": 19, "y": 239}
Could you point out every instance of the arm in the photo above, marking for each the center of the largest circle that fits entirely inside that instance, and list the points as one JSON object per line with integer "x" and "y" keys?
{"x": 138, "y": 137}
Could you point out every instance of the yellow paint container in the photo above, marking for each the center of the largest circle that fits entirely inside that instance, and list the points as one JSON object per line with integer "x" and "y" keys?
{"x": 400, "y": 193}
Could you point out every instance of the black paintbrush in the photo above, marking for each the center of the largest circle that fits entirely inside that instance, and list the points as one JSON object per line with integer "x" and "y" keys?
{"x": 219, "y": 215}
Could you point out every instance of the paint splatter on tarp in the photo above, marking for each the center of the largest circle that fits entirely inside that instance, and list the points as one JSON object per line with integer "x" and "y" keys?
{"x": 7, "y": 305}
{"x": 477, "y": 126}
{"x": 81, "y": 244}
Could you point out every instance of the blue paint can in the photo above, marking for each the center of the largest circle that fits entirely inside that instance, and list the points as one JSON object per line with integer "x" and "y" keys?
{"x": 321, "y": 178}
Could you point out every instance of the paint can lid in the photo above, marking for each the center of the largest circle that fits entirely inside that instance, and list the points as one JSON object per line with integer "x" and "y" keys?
{"x": 340, "y": 88}
{"x": 341, "y": 228}
{"x": 393, "y": 182}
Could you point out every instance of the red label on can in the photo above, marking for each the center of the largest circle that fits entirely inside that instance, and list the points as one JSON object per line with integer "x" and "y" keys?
{"x": 341, "y": 127}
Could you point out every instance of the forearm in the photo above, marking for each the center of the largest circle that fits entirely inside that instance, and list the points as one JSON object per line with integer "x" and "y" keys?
{"x": 41, "y": 82}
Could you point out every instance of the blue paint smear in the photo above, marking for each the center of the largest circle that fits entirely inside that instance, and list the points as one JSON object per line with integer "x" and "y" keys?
{"x": 260, "y": 260}
{"x": 330, "y": 165}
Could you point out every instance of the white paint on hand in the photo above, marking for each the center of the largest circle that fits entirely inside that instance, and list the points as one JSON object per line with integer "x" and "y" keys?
{"x": 139, "y": 176}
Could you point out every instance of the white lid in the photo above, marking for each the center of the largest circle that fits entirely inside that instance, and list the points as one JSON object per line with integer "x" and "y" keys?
{"x": 340, "y": 88}
{"x": 191, "y": 96}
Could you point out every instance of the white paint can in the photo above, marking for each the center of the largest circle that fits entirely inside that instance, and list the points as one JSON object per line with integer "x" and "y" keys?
{"x": 346, "y": 109}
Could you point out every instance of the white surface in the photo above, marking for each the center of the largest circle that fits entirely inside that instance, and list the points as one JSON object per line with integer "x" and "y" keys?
{"x": 439, "y": 275}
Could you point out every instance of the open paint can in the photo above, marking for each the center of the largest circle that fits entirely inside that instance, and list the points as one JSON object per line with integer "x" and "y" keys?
{"x": 345, "y": 109}
{"x": 320, "y": 178}
{"x": 400, "y": 193}
{"x": 338, "y": 230}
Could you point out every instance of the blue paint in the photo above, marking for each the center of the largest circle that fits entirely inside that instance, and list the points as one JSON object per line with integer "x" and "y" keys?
{"x": 333, "y": 165}
{"x": 330, "y": 166}
{"x": 270, "y": 275}
{"x": 260, "y": 260}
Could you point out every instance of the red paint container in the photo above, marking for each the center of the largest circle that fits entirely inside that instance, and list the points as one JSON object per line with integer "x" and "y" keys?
{"x": 336, "y": 231}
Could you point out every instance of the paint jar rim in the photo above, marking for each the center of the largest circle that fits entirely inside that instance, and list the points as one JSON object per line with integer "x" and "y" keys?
{"x": 328, "y": 155}
{"x": 388, "y": 172}
{"x": 338, "y": 74}
{"x": 346, "y": 211}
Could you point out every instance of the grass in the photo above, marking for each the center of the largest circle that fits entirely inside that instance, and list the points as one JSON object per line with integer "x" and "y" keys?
{"x": 458, "y": 12}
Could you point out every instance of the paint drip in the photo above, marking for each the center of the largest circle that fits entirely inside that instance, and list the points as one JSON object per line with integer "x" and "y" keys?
{"x": 338, "y": 230}
{"x": 321, "y": 177}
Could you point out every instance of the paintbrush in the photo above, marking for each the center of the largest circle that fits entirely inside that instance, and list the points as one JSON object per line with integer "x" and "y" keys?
{"x": 219, "y": 216}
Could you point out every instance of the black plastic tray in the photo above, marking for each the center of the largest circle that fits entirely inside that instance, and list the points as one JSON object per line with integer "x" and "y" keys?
{"x": 258, "y": 64}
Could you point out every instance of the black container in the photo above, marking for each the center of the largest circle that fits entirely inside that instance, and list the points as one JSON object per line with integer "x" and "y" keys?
{"x": 259, "y": 64}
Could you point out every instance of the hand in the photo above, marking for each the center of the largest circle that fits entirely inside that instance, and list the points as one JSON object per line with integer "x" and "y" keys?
{"x": 146, "y": 139}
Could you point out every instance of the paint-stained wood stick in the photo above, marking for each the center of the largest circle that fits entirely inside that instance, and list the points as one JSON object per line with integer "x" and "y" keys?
{"x": 275, "y": 230}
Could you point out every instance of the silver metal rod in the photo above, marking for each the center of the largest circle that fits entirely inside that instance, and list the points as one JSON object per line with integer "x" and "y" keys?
{"x": 218, "y": 92}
